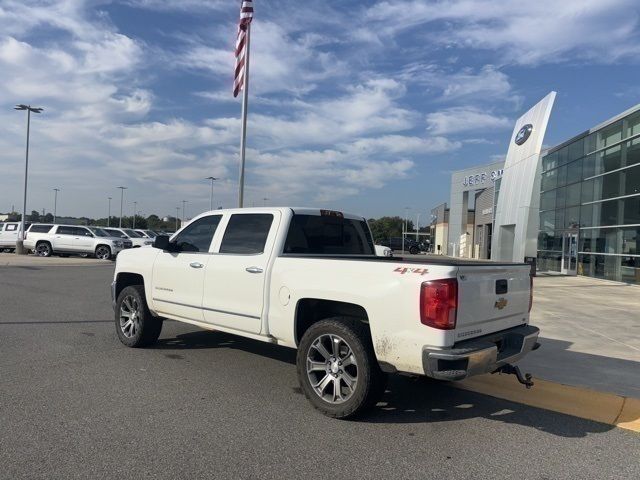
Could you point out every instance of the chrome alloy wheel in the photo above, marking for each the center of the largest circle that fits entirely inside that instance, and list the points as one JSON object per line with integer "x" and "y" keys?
{"x": 130, "y": 313}
{"x": 103, "y": 253}
{"x": 332, "y": 368}
{"x": 43, "y": 250}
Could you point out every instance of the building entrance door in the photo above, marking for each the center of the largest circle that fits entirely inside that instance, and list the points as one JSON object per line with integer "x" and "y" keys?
{"x": 569, "y": 253}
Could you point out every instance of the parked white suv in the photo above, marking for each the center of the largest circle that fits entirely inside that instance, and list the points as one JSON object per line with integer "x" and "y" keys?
{"x": 9, "y": 235}
{"x": 126, "y": 233}
{"x": 146, "y": 233}
{"x": 46, "y": 240}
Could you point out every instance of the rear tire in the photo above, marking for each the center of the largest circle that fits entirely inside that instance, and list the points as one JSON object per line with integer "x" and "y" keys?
{"x": 414, "y": 250}
{"x": 337, "y": 367}
{"x": 135, "y": 325}
{"x": 43, "y": 249}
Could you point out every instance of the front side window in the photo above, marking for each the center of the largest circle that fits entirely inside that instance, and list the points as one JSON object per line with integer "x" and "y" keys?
{"x": 197, "y": 236}
{"x": 132, "y": 233}
{"x": 246, "y": 233}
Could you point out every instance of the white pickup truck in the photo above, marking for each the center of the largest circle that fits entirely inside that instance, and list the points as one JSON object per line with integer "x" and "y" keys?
{"x": 309, "y": 279}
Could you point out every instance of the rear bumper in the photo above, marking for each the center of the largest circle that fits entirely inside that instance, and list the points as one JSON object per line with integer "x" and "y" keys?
{"x": 480, "y": 355}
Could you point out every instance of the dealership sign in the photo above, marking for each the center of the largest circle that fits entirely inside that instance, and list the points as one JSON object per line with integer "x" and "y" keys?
{"x": 481, "y": 178}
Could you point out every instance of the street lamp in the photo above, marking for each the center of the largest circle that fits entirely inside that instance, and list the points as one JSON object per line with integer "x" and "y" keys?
{"x": 122, "y": 189}
{"x": 406, "y": 224}
{"x": 109, "y": 215}
{"x": 20, "y": 241}
{"x": 184, "y": 202}
{"x": 135, "y": 204}
{"x": 213, "y": 179}
{"x": 417, "y": 226}
{"x": 55, "y": 204}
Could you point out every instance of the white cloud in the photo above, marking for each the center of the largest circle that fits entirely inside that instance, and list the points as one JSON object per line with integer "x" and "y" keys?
{"x": 528, "y": 33}
{"x": 464, "y": 119}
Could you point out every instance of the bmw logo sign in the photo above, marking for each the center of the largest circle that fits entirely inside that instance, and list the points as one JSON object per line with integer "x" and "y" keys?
{"x": 523, "y": 134}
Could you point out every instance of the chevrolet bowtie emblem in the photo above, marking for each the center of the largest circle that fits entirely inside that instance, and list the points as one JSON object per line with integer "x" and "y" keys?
{"x": 501, "y": 303}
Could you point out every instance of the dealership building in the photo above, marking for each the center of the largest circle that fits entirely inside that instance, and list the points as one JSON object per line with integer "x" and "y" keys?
{"x": 574, "y": 208}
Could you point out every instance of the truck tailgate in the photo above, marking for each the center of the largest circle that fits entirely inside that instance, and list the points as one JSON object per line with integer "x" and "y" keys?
{"x": 491, "y": 298}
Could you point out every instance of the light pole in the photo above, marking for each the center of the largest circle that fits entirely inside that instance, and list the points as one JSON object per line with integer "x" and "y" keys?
{"x": 55, "y": 204}
{"x": 417, "y": 226}
{"x": 20, "y": 241}
{"x": 122, "y": 189}
{"x": 264, "y": 201}
{"x": 109, "y": 215}
{"x": 184, "y": 202}
{"x": 213, "y": 179}
{"x": 177, "y": 214}
{"x": 135, "y": 205}
{"x": 405, "y": 224}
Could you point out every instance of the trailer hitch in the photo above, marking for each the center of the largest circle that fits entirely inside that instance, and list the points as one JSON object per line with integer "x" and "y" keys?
{"x": 513, "y": 370}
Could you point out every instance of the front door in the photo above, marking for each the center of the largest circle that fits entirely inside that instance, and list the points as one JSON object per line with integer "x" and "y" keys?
{"x": 569, "y": 253}
{"x": 83, "y": 240}
{"x": 178, "y": 275}
{"x": 235, "y": 277}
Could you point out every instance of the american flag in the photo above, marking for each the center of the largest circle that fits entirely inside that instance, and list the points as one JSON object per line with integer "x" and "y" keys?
{"x": 246, "y": 14}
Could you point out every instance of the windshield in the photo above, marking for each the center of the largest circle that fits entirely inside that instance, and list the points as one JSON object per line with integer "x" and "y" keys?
{"x": 151, "y": 233}
{"x": 114, "y": 233}
{"x": 131, "y": 233}
{"x": 100, "y": 232}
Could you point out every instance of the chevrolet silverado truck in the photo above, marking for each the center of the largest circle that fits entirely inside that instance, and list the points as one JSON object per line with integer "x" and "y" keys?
{"x": 309, "y": 279}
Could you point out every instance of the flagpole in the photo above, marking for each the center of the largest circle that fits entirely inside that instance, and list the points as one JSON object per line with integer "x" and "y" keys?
{"x": 243, "y": 137}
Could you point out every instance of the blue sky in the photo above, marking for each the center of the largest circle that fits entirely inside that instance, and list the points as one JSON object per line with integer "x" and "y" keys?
{"x": 363, "y": 106}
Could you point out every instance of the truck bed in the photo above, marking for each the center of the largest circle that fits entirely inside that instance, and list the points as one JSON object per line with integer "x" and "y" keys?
{"x": 426, "y": 259}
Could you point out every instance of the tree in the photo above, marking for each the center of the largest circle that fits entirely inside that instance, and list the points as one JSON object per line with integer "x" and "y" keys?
{"x": 48, "y": 218}
{"x": 34, "y": 217}
{"x": 385, "y": 227}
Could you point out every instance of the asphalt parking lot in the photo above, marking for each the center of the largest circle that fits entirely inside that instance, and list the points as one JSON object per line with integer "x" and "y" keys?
{"x": 75, "y": 403}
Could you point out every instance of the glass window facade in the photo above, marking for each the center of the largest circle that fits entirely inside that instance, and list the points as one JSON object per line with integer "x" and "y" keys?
{"x": 591, "y": 186}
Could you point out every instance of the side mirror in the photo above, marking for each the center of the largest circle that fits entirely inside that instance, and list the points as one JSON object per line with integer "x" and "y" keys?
{"x": 161, "y": 242}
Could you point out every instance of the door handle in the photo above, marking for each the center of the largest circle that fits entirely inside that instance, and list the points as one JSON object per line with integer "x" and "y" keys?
{"x": 196, "y": 265}
{"x": 253, "y": 269}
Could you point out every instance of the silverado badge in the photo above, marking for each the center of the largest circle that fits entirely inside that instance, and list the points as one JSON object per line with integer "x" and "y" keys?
{"x": 500, "y": 303}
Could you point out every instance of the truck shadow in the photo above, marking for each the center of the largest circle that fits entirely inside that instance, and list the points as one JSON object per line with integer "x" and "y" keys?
{"x": 408, "y": 399}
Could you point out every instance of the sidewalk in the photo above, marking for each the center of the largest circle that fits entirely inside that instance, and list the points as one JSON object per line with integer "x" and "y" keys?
{"x": 590, "y": 334}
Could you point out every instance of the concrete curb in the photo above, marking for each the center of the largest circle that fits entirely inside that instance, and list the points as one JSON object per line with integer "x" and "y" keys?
{"x": 608, "y": 408}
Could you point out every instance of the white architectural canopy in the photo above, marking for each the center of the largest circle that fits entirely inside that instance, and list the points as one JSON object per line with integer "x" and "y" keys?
{"x": 517, "y": 213}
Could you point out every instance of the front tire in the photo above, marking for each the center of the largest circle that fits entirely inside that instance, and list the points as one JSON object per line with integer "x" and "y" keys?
{"x": 337, "y": 367}
{"x": 135, "y": 325}
{"x": 414, "y": 250}
{"x": 103, "y": 252}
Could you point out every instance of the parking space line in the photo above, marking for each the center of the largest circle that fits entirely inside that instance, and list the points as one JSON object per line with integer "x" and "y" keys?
{"x": 608, "y": 408}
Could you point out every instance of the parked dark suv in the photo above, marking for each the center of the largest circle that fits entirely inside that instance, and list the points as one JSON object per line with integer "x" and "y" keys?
{"x": 395, "y": 243}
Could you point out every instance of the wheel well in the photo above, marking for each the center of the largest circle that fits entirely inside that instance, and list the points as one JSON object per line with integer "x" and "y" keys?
{"x": 43, "y": 241}
{"x": 126, "y": 279}
{"x": 312, "y": 310}
{"x": 104, "y": 245}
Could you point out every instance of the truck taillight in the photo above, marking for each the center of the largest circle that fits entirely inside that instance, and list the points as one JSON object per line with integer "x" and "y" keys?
{"x": 530, "y": 292}
{"x": 439, "y": 303}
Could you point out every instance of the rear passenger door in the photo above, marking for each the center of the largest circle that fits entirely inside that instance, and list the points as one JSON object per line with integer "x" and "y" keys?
{"x": 63, "y": 239}
{"x": 83, "y": 240}
{"x": 234, "y": 284}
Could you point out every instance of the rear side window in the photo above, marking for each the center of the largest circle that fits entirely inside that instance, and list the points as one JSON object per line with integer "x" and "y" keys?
{"x": 40, "y": 228}
{"x": 197, "y": 236}
{"x": 246, "y": 233}
{"x": 328, "y": 235}
{"x": 66, "y": 231}
{"x": 82, "y": 232}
